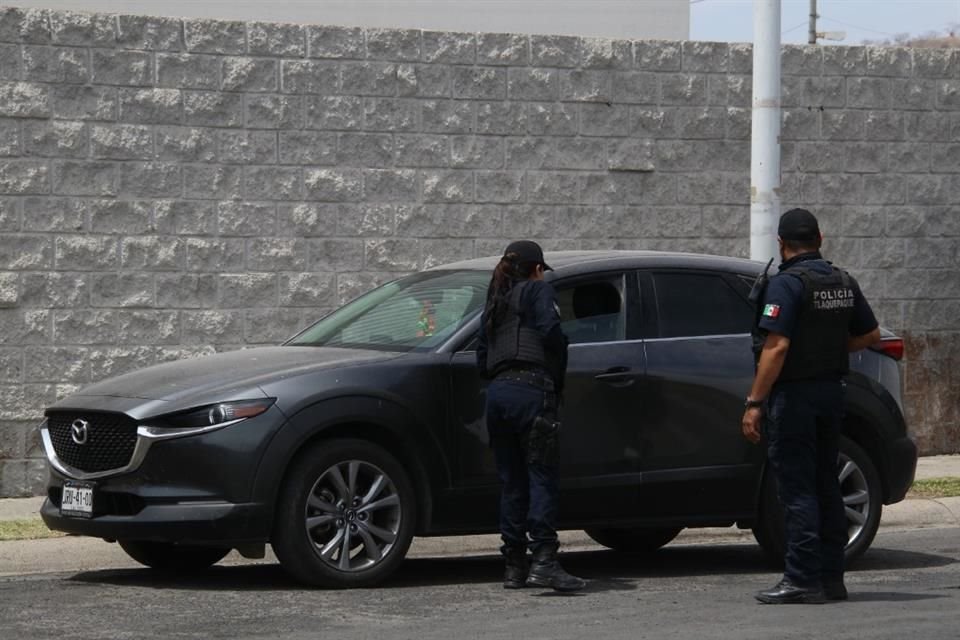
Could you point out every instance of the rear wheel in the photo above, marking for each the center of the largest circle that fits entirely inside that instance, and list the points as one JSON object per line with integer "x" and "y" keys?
{"x": 166, "y": 556}
{"x": 346, "y": 515}
{"x": 862, "y": 499}
{"x": 634, "y": 539}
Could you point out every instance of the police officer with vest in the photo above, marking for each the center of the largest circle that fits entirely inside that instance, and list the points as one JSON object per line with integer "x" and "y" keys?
{"x": 523, "y": 352}
{"x": 811, "y": 315}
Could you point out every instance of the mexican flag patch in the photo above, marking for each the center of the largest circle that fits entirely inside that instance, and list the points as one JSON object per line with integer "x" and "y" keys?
{"x": 771, "y": 311}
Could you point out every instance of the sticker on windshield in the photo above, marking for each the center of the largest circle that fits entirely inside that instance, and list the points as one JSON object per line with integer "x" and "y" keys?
{"x": 771, "y": 311}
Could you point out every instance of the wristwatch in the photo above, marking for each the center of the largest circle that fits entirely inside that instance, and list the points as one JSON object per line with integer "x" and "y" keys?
{"x": 752, "y": 404}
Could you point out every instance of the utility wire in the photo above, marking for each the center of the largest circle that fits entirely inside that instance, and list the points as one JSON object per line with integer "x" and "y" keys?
{"x": 854, "y": 26}
{"x": 802, "y": 24}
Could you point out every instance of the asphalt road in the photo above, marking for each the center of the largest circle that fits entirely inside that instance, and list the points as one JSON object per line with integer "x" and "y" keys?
{"x": 906, "y": 586}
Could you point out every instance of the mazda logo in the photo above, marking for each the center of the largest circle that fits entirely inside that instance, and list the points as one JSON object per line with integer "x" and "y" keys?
{"x": 78, "y": 431}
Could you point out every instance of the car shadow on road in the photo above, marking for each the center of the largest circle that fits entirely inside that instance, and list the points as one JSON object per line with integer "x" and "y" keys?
{"x": 606, "y": 570}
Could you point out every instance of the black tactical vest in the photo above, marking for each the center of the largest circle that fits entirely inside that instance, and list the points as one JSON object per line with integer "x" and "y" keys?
{"x": 818, "y": 346}
{"x": 512, "y": 344}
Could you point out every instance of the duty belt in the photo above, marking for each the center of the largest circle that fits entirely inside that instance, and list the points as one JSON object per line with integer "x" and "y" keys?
{"x": 537, "y": 379}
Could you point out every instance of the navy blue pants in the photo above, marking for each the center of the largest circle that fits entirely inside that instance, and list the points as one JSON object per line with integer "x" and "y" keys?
{"x": 529, "y": 494}
{"x": 803, "y": 436}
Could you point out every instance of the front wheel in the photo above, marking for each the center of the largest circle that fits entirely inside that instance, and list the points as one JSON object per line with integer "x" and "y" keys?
{"x": 634, "y": 539}
{"x": 166, "y": 556}
{"x": 862, "y": 500}
{"x": 346, "y": 515}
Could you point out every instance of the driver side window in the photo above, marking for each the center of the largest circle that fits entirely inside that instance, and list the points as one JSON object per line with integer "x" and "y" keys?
{"x": 593, "y": 310}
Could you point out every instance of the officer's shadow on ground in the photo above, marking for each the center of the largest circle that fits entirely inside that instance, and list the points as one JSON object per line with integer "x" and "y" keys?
{"x": 606, "y": 570}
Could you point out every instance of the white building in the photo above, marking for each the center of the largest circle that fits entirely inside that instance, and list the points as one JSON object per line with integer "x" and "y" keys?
{"x": 635, "y": 19}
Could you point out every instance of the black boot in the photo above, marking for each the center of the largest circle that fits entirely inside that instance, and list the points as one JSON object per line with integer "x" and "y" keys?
{"x": 547, "y": 572}
{"x": 786, "y": 592}
{"x": 515, "y": 574}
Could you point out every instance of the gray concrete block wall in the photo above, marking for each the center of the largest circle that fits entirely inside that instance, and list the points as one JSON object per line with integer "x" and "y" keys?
{"x": 171, "y": 188}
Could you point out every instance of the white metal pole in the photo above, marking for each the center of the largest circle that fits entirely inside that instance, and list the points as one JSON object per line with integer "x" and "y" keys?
{"x": 765, "y": 137}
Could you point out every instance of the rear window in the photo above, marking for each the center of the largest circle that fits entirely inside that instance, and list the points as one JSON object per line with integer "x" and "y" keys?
{"x": 699, "y": 304}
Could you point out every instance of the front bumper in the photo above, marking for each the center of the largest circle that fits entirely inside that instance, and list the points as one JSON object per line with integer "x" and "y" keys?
{"x": 222, "y": 523}
{"x": 901, "y": 467}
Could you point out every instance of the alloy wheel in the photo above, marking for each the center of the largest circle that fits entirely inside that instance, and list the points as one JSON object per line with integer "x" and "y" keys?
{"x": 353, "y": 515}
{"x": 856, "y": 496}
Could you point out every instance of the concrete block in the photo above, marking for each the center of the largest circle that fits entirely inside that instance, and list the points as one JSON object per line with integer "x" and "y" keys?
{"x": 705, "y": 57}
{"x": 555, "y": 51}
{"x": 552, "y": 119}
{"x": 48, "y": 138}
{"x": 185, "y": 217}
{"x": 869, "y": 93}
{"x": 121, "y": 217}
{"x": 307, "y": 148}
{"x": 270, "y": 39}
{"x": 700, "y": 123}
{"x": 308, "y": 290}
{"x": 367, "y": 220}
{"x": 503, "y": 49}
{"x": 249, "y": 74}
{"x": 212, "y": 327}
{"x": 54, "y": 214}
{"x": 251, "y": 219}
{"x": 936, "y": 63}
{"x": 248, "y": 290}
{"x": 655, "y": 55}
{"x": 308, "y": 219}
{"x": 123, "y": 68}
{"x": 885, "y": 125}
{"x": 19, "y": 252}
{"x": 391, "y": 255}
{"x": 149, "y": 33}
{"x": 636, "y": 87}
{"x": 151, "y": 106}
{"x": 217, "y": 255}
{"x": 606, "y": 53}
{"x": 52, "y": 289}
{"x": 336, "y": 255}
{"x": 501, "y": 118}
{"x": 424, "y": 80}
{"x": 604, "y": 120}
{"x": 25, "y": 326}
{"x": 390, "y": 114}
{"x": 444, "y": 47}
{"x": 150, "y": 180}
{"x": 185, "y": 144}
{"x": 333, "y": 185}
{"x": 153, "y": 253}
{"x": 335, "y": 42}
{"x": 585, "y": 85}
{"x": 89, "y": 326}
{"x": 499, "y": 186}
{"x": 248, "y": 147}
{"x": 121, "y": 290}
{"x": 578, "y": 153}
{"x": 545, "y": 187}
{"x": 342, "y": 113}
{"x": 480, "y": 83}
{"x": 24, "y": 100}
{"x": 121, "y": 142}
{"x": 393, "y": 44}
{"x": 273, "y": 183}
{"x": 912, "y": 93}
{"x": 272, "y": 111}
{"x": 213, "y": 181}
{"x": 215, "y": 36}
{"x": 77, "y": 178}
{"x": 213, "y": 109}
{"x": 683, "y": 89}
{"x": 188, "y": 71}
{"x": 309, "y": 76}
{"x": 369, "y": 78}
{"x": 448, "y": 186}
{"x": 448, "y": 116}
{"x": 63, "y": 65}
{"x": 801, "y": 60}
{"x": 419, "y": 151}
{"x": 889, "y": 61}
{"x": 276, "y": 254}
{"x": 533, "y": 84}
{"x": 56, "y": 364}
{"x": 631, "y": 155}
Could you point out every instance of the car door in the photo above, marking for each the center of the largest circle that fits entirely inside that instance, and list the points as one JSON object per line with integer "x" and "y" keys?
{"x": 601, "y": 405}
{"x": 699, "y": 370}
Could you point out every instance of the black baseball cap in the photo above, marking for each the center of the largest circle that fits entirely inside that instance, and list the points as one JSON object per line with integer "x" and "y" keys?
{"x": 527, "y": 251}
{"x": 800, "y": 225}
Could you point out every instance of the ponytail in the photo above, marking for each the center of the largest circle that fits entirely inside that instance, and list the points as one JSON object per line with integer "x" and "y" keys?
{"x": 506, "y": 274}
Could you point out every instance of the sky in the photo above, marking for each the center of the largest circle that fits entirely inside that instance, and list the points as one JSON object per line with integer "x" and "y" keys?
{"x": 732, "y": 20}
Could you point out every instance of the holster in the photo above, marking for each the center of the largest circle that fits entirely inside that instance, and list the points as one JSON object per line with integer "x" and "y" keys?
{"x": 543, "y": 440}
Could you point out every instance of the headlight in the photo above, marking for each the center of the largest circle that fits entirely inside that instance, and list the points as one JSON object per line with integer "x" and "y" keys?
{"x": 214, "y": 415}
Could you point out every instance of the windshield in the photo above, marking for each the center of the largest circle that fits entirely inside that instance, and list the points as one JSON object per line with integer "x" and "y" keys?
{"x": 418, "y": 312}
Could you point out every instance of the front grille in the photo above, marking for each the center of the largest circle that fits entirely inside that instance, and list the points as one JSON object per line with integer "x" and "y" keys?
{"x": 109, "y": 444}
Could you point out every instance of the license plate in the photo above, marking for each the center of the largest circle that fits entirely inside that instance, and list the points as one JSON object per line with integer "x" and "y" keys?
{"x": 77, "y": 500}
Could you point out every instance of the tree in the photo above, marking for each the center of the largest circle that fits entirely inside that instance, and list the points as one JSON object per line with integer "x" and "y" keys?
{"x": 949, "y": 37}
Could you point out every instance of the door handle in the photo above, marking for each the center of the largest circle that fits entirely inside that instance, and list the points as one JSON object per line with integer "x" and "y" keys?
{"x": 616, "y": 376}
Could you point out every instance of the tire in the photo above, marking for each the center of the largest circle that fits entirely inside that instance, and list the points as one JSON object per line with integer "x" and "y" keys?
{"x": 862, "y": 495}
{"x": 331, "y": 532}
{"x": 634, "y": 539}
{"x": 166, "y": 556}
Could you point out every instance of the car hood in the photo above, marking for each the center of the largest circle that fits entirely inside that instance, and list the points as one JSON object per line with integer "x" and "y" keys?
{"x": 219, "y": 377}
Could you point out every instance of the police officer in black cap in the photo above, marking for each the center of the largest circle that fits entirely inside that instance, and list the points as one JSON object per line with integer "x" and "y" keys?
{"x": 523, "y": 351}
{"x": 811, "y": 315}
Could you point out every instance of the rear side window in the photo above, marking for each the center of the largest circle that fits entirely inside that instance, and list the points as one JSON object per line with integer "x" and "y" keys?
{"x": 593, "y": 310}
{"x": 699, "y": 304}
